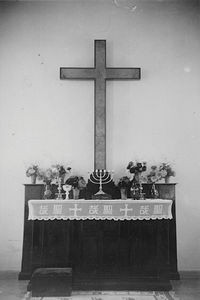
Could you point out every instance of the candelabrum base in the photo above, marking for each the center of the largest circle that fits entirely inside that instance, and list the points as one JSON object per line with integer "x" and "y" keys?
{"x": 100, "y": 192}
{"x": 101, "y": 196}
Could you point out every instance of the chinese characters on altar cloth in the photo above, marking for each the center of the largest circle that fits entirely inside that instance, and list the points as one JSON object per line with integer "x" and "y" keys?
{"x": 100, "y": 209}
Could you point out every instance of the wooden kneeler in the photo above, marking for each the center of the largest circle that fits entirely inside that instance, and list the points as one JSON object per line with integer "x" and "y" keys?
{"x": 48, "y": 282}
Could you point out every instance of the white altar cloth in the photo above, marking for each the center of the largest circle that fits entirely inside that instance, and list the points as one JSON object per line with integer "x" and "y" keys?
{"x": 100, "y": 209}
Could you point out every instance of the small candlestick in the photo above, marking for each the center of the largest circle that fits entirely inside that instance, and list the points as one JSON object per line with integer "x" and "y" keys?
{"x": 59, "y": 194}
{"x": 141, "y": 194}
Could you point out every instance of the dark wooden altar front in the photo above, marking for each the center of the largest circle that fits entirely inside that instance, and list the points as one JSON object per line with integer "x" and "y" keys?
{"x": 106, "y": 255}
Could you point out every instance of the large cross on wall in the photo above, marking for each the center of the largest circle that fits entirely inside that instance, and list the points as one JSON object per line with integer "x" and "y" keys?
{"x": 100, "y": 73}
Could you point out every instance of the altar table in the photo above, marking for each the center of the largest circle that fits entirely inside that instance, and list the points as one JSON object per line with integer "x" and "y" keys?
{"x": 109, "y": 244}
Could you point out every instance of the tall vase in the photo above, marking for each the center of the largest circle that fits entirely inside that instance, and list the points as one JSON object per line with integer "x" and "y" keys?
{"x": 135, "y": 195}
{"x": 62, "y": 178}
{"x": 47, "y": 192}
{"x": 167, "y": 179}
{"x": 154, "y": 192}
{"x": 76, "y": 192}
{"x": 33, "y": 179}
{"x": 138, "y": 177}
{"x": 123, "y": 192}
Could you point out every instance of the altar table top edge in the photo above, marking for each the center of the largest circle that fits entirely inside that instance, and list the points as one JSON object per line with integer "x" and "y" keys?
{"x": 112, "y": 201}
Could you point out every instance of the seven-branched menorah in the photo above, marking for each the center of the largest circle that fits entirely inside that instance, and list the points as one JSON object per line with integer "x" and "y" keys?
{"x": 100, "y": 177}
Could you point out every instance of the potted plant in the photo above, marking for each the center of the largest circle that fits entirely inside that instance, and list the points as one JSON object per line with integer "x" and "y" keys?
{"x": 166, "y": 171}
{"x": 124, "y": 185}
{"x": 32, "y": 172}
{"x": 77, "y": 183}
{"x": 59, "y": 172}
{"x": 137, "y": 168}
{"x": 154, "y": 175}
{"x": 46, "y": 175}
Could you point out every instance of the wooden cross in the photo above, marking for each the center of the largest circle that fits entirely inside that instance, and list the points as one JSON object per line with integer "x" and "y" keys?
{"x": 100, "y": 73}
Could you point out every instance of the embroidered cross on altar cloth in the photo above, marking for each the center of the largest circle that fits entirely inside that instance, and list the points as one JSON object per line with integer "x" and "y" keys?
{"x": 149, "y": 209}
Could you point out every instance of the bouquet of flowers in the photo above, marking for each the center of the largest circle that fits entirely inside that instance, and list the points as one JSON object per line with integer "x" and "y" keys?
{"x": 154, "y": 175}
{"x": 158, "y": 173}
{"x": 137, "y": 168}
{"x": 59, "y": 171}
{"x": 32, "y": 170}
{"x": 53, "y": 173}
{"x": 124, "y": 185}
{"x": 46, "y": 175}
{"x": 166, "y": 170}
{"x": 124, "y": 182}
{"x": 76, "y": 182}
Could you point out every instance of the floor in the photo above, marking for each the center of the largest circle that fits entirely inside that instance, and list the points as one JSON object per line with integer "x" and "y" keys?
{"x": 12, "y": 289}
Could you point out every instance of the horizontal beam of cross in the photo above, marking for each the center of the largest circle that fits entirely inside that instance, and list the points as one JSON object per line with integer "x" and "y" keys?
{"x": 91, "y": 73}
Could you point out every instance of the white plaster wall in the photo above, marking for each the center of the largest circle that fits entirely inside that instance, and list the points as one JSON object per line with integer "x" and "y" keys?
{"x": 46, "y": 120}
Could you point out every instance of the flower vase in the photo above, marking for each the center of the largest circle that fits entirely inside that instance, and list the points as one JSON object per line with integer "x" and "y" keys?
{"x": 62, "y": 178}
{"x": 154, "y": 192}
{"x": 33, "y": 179}
{"x": 123, "y": 192}
{"x": 138, "y": 177}
{"x": 135, "y": 192}
{"x": 167, "y": 179}
{"x": 47, "y": 192}
{"x": 76, "y": 192}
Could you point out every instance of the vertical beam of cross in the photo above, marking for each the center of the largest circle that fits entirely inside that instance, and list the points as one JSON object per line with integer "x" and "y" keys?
{"x": 100, "y": 73}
